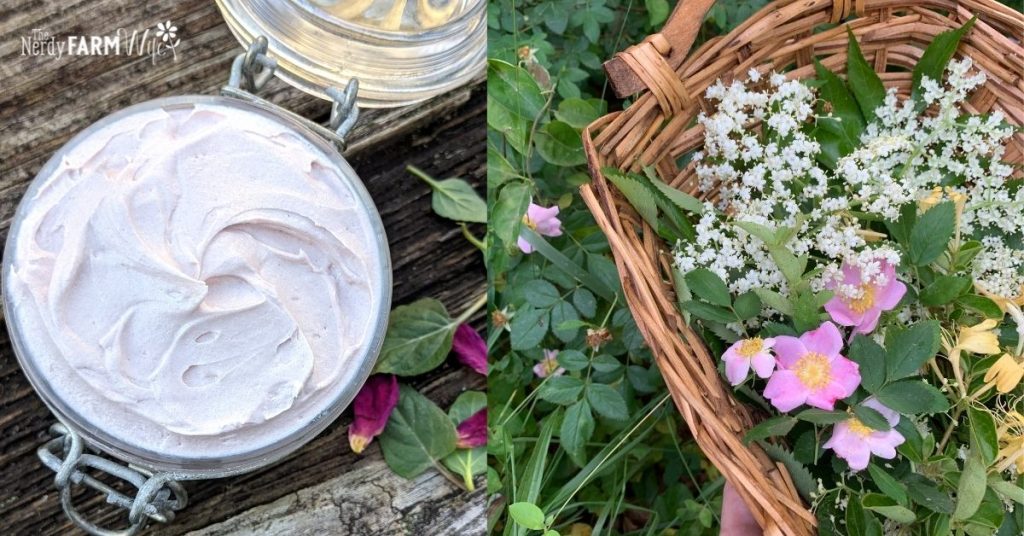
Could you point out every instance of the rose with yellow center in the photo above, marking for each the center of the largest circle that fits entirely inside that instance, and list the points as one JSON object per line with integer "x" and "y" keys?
{"x": 746, "y": 354}
{"x": 811, "y": 370}
{"x": 860, "y": 300}
{"x": 856, "y": 442}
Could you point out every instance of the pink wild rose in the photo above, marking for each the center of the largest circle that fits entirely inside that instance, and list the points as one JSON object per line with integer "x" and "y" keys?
{"x": 470, "y": 348}
{"x": 372, "y": 407}
{"x": 473, "y": 431}
{"x": 862, "y": 308}
{"x": 747, "y": 353}
{"x": 543, "y": 220}
{"x": 855, "y": 442}
{"x": 549, "y": 365}
{"x": 811, "y": 370}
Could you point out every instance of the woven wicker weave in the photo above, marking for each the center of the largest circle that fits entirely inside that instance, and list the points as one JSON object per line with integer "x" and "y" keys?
{"x": 659, "y": 127}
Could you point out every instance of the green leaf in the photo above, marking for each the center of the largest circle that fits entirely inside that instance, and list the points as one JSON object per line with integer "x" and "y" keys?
{"x": 973, "y": 484}
{"x": 528, "y": 328}
{"x": 657, "y": 11}
{"x": 983, "y": 434}
{"x": 514, "y": 88}
{"x": 418, "y": 338}
{"x": 779, "y": 425}
{"x": 871, "y": 418}
{"x": 775, "y": 301}
{"x": 871, "y": 357}
{"x": 540, "y": 293}
{"x": 511, "y": 202}
{"x": 887, "y": 484}
{"x": 682, "y": 200}
{"x": 1009, "y": 490}
{"x": 747, "y": 305}
{"x": 925, "y": 493}
{"x": 563, "y": 390}
{"x": 454, "y": 199}
{"x": 844, "y": 105}
{"x": 911, "y": 348}
{"x": 638, "y": 195}
{"x": 418, "y": 434}
{"x": 573, "y": 360}
{"x": 467, "y": 463}
{"x": 864, "y": 81}
{"x": 565, "y": 322}
{"x": 560, "y": 144}
{"x": 861, "y": 522}
{"x": 900, "y": 229}
{"x": 607, "y": 402}
{"x": 985, "y": 306}
{"x": 912, "y": 397}
{"x": 887, "y": 506}
{"x": 761, "y": 232}
{"x": 466, "y": 405}
{"x": 933, "y": 62}
{"x": 931, "y": 234}
{"x": 579, "y": 113}
{"x": 709, "y": 287}
{"x": 944, "y": 290}
{"x": 802, "y": 479}
{"x": 821, "y": 416}
{"x": 527, "y": 514}
{"x": 708, "y": 312}
{"x": 577, "y": 427}
{"x": 585, "y": 302}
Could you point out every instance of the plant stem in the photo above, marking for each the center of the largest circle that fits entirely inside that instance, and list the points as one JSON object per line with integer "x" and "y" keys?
{"x": 472, "y": 238}
{"x": 471, "y": 310}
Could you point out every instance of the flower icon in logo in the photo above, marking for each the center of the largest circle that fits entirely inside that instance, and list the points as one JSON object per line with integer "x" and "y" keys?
{"x": 166, "y": 31}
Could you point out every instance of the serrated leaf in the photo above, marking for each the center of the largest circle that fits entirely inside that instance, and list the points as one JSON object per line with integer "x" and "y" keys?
{"x": 708, "y": 286}
{"x": 562, "y": 390}
{"x": 802, "y": 479}
{"x": 709, "y": 312}
{"x": 821, "y": 416}
{"x": 910, "y": 349}
{"x": 511, "y": 202}
{"x": 887, "y": 484}
{"x": 585, "y": 302}
{"x": 935, "y": 58}
{"x": 418, "y": 434}
{"x": 912, "y": 397}
{"x": 871, "y": 358}
{"x": 779, "y": 425}
{"x": 577, "y": 428}
{"x": 925, "y": 493}
{"x": 607, "y": 402}
{"x": 540, "y": 293}
{"x": 418, "y": 338}
{"x": 638, "y": 195}
{"x": 886, "y": 506}
{"x": 864, "y": 81}
{"x": 871, "y": 418}
{"x": 775, "y": 301}
{"x": 560, "y": 144}
{"x": 528, "y": 328}
{"x": 931, "y": 234}
{"x": 747, "y": 305}
{"x": 984, "y": 438}
{"x": 944, "y": 290}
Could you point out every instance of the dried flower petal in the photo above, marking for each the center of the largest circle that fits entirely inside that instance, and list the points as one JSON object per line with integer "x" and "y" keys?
{"x": 470, "y": 348}
{"x": 473, "y": 431}
{"x": 372, "y": 406}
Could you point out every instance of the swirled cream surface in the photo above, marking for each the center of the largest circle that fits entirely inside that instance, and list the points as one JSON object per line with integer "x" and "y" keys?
{"x": 197, "y": 280}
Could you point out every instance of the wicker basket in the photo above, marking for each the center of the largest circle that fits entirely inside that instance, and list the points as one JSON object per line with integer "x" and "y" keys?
{"x": 659, "y": 127}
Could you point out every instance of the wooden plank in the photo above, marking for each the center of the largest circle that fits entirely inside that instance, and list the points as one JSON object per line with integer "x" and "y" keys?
{"x": 44, "y": 101}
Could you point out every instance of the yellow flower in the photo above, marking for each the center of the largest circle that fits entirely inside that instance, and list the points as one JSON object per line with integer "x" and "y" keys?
{"x": 1006, "y": 373}
{"x": 936, "y": 196}
{"x": 1011, "y": 442}
{"x": 980, "y": 339}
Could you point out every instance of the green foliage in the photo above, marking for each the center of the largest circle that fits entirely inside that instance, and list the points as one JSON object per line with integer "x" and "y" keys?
{"x": 598, "y": 439}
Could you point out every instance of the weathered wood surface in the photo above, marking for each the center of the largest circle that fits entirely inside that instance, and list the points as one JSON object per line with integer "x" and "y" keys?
{"x": 323, "y": 488}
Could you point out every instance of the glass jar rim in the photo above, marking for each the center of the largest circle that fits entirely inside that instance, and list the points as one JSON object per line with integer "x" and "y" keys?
{"x": 408, "y": 36}
{"x": 186, "y": 467}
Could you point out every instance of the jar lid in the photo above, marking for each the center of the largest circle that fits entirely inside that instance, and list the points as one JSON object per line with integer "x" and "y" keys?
{"x": 197, "y": 285}
{"x": 401, "y": 51}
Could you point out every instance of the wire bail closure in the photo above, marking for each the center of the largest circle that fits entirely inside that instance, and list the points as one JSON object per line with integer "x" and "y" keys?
{"x": 157, "y": 498}
{"x": 252, "y": 69}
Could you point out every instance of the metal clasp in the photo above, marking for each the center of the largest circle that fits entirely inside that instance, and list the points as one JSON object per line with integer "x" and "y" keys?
{"x": 157, "y": 498}
{"x": 252, "y": 69}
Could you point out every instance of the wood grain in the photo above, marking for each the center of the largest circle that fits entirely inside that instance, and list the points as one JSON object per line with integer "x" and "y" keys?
{"x": 44, "y": 101}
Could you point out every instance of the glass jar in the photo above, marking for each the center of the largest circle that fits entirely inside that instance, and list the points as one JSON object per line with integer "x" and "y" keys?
{"x": 69, "y": 282}
{"x": 316, "y": 48}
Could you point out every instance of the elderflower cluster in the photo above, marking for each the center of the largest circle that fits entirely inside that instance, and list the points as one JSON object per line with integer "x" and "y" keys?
{"x": 760, "y": 167}
{"x": 905, "y": 155}
{"x": 999, "y": 269}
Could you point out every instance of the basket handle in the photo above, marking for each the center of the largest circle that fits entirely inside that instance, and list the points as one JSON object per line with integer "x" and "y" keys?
{"x": 673, "y": 42}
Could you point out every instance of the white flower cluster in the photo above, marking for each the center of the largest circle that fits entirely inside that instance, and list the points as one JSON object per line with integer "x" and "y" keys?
{"x": 905, "y": 155}
{"x": 762, "y": 164}
{"x": 999, "y": 269}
